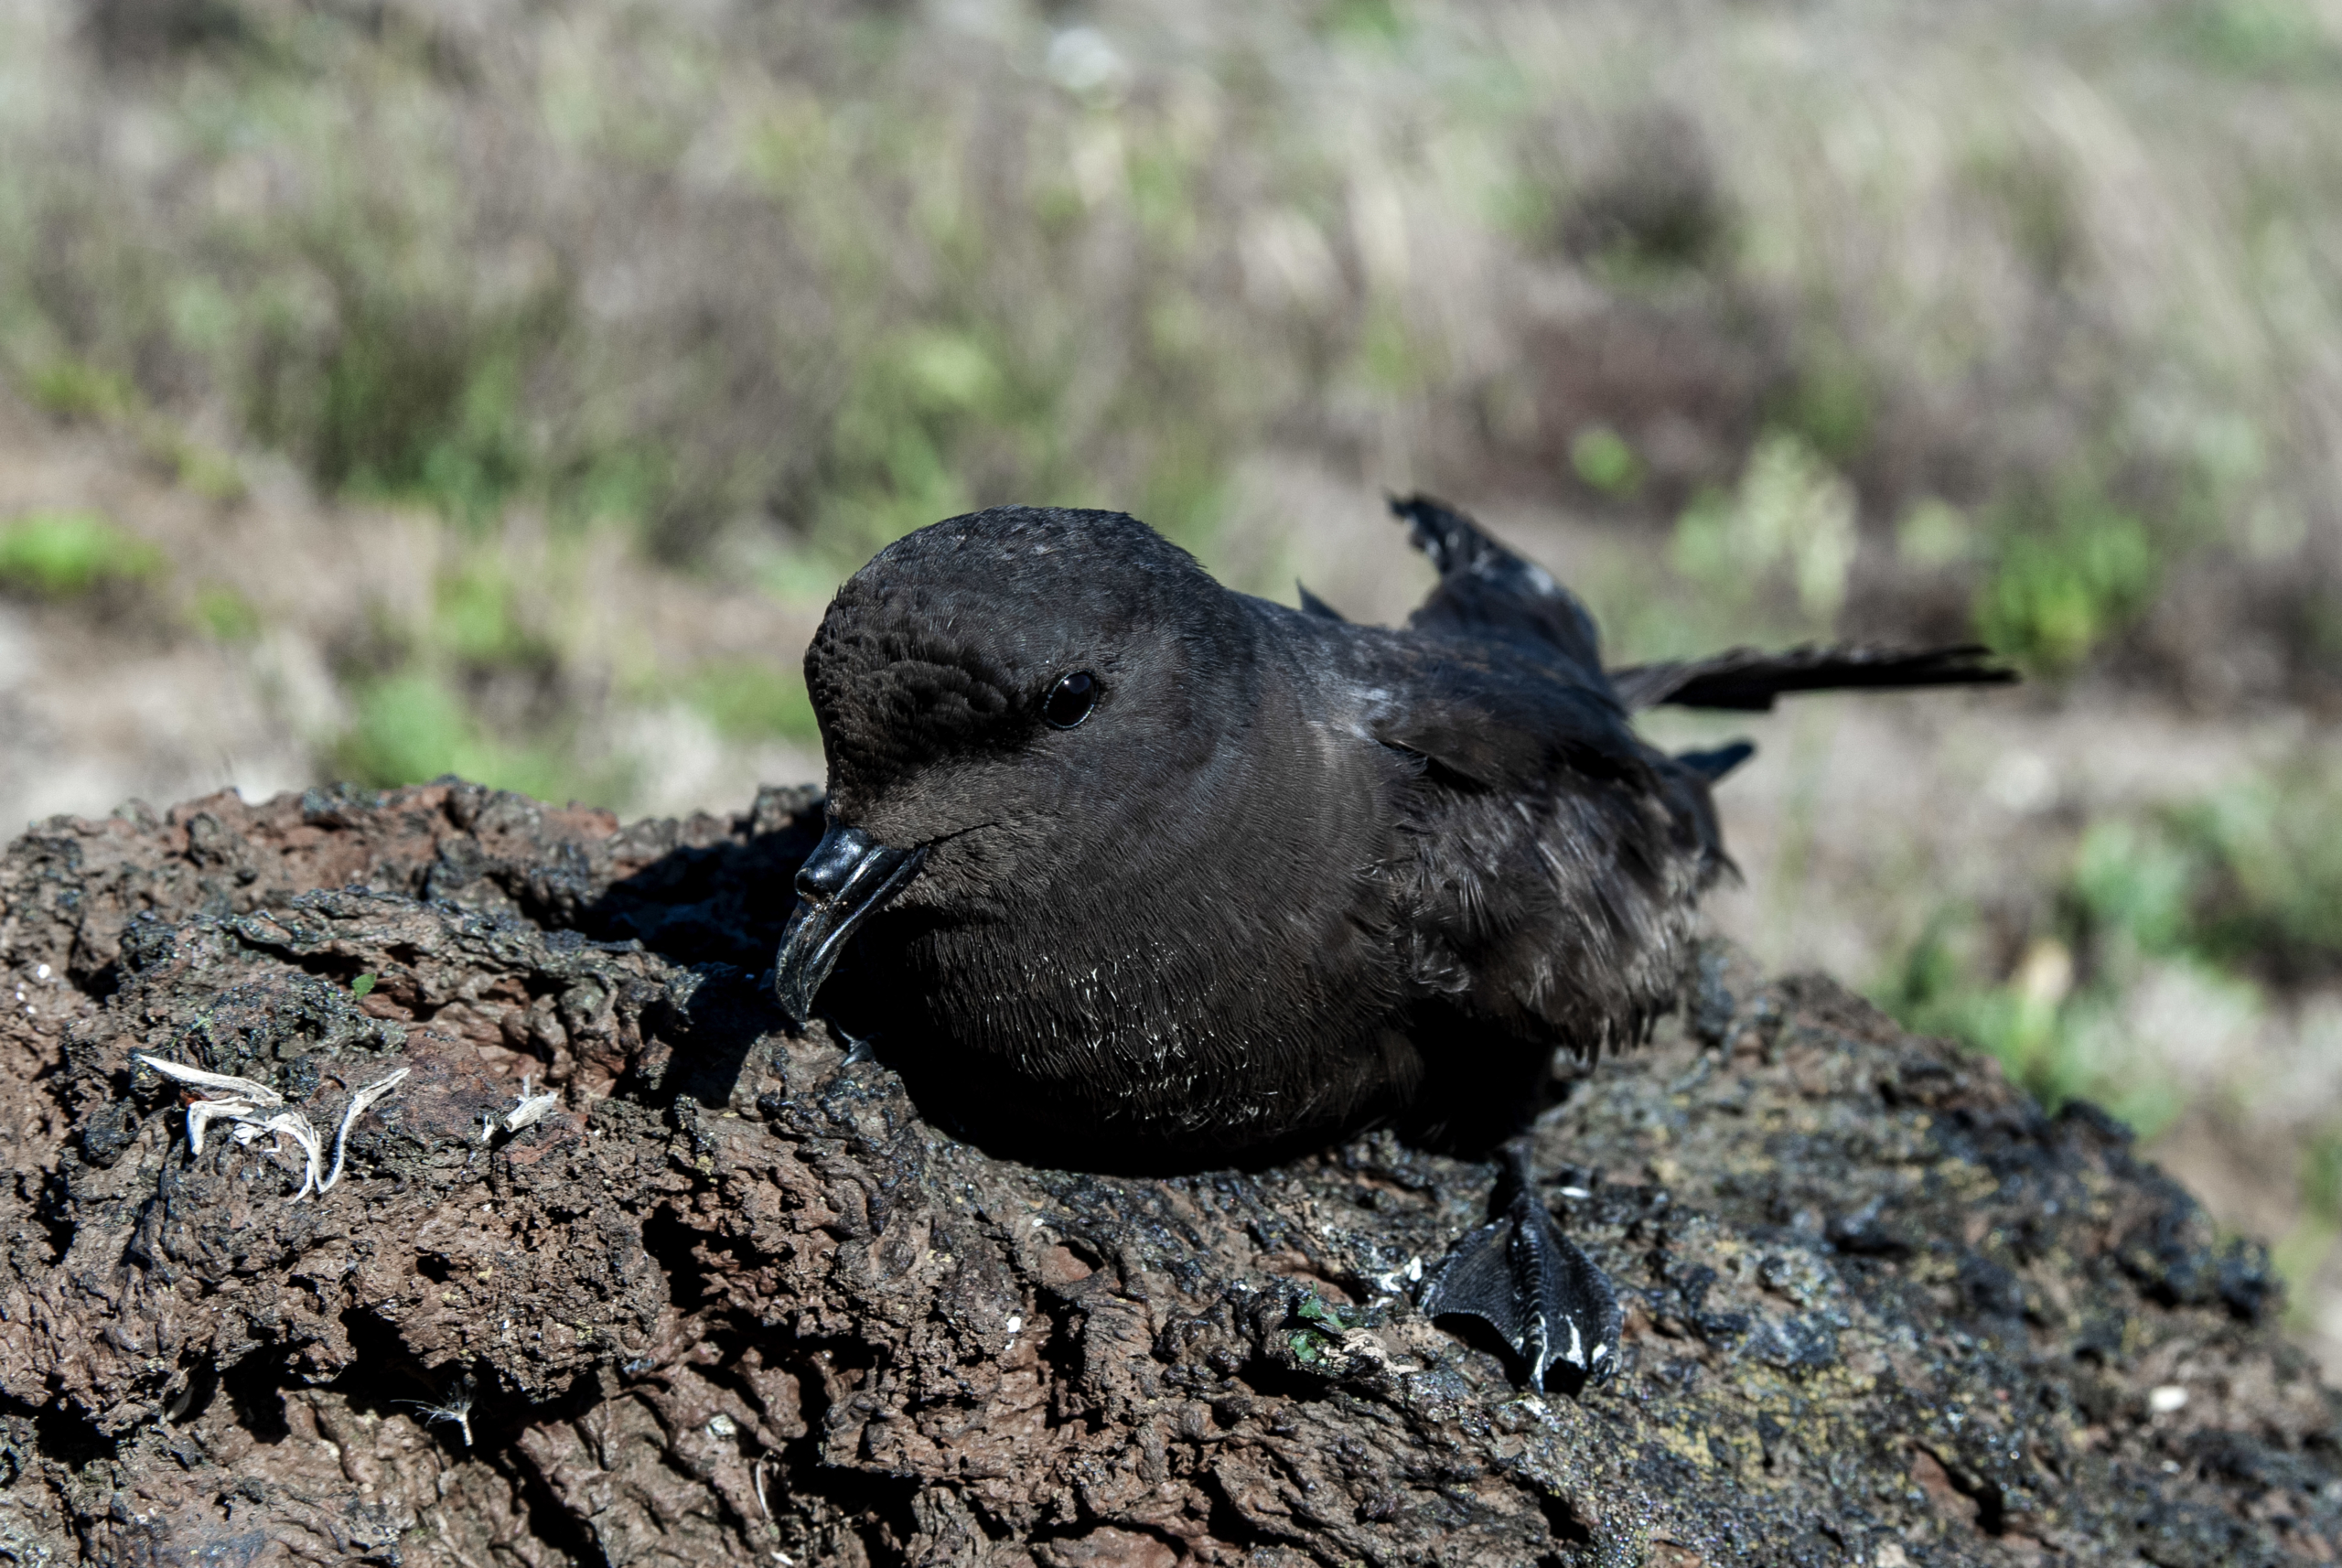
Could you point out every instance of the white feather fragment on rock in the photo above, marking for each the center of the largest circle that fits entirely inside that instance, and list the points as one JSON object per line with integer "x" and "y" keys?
{"x": 359, "y": 1104}
{"x": 532, "y": 1109}
{"x": 294, "y": 1125}
{"x": 240, "y": 1100}
{"x": 221, "y": 1083}
{"x": 208, "y": 1110}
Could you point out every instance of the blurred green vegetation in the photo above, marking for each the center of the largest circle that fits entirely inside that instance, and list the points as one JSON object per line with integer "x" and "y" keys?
{"x": 478, "y": 686}
{"x": 1791, "y": 518}
{"x": 2299, "y": 1254}
{"x": 827, "y": 275}
{"x": 225, "y": 614}
{"x": 2235, "y": 897}
{"x": 1604, "y": 460}
{"x": 850, "y": 344}
{"x": 1983, "y": 314}
{"x": 2260, "y": 37}
{"x": 413, "y": 726}
{"x": 753, "y": 701}
{"x": 60, "y": 555}
{"x": 71, "y": 390}
{"x": 2068, "y": 577}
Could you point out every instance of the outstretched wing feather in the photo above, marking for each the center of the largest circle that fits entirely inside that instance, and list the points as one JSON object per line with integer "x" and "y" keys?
{"x": 1488, "y": 591}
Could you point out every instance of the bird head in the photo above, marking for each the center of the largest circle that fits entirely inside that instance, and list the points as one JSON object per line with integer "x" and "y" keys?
{"x": 1002, "y": 696}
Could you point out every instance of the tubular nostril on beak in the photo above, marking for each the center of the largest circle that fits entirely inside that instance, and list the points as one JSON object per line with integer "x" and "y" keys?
{"x": 833, "y": 864}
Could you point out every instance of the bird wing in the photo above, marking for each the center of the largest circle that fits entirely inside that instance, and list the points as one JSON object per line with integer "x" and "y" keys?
{"x": 1748, "y": 679}
{"x": 1500, "y": 725}
{"x": 1549, "y": 860}
{"x": 1311, "y": 605}
{"x": 1546, "y": 860}
{"x": 1485, "y": 591}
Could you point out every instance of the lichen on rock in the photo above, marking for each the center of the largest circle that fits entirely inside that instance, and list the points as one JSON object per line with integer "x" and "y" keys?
{"x": 735, "y": 1299}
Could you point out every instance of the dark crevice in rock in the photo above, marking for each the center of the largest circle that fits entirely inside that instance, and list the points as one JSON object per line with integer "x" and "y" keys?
{"x": 63, "y": 1436}
{"x": 873, "y": 1505}
{"x": 552, "y": 1523}
{"x": 673, "y": 1245}
{"x": 255, "y": 1386}
{"x": 1564, "y": 1523}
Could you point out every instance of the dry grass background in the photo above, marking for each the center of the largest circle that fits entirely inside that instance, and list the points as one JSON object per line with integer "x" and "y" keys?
{"x": 403, "y": 387}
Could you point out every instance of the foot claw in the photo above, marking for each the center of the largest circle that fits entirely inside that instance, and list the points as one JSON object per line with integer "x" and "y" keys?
{"x": 1534, "y": 1286}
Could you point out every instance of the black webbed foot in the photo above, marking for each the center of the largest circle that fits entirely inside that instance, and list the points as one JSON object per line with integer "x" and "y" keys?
{"x": 1533, "y": 1283}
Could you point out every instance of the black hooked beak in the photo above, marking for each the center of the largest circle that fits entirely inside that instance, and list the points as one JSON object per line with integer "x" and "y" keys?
{"x": 849, "y": 878}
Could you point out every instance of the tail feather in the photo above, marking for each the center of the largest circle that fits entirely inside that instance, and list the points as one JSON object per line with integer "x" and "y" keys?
{"x": 1746, "y": 680}
{"x": 1713, "y": 765}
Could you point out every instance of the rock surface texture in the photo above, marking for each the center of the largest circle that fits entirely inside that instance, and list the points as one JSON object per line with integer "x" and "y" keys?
{"x": 733, "y": 1299}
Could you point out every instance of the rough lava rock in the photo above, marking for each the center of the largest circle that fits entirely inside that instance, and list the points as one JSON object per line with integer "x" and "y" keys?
{"x": 735, "y": 1300}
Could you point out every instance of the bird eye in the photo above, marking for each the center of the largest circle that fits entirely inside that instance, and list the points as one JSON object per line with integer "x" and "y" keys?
{"x": 1070, "y": 699}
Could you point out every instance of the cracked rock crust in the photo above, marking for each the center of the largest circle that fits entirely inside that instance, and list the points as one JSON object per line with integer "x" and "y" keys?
{"x": 733, "y": 1299}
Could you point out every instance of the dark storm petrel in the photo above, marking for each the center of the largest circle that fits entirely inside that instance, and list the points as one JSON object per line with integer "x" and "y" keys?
{"x": 1142, "y": 872}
